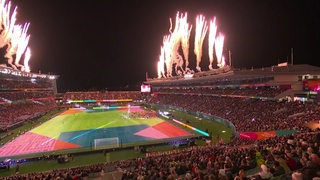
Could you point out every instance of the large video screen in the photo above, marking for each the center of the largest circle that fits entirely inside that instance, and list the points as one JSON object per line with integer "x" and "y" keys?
{"x": 311, "y": 85}
{"x": 146, "y": 88}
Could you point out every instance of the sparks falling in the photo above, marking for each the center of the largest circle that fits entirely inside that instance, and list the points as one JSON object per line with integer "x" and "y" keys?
{"x": 14, "y": 36}
{"x": 167, "y": 54}
{"x": 179, "y": 36}
{"x": 161, "y": 72}
{"x": 201, "y": 30}
{"x": 175, "y": 41}
{"x": 219, "y": 50}
{"x": 22, "y": 44}
{"x": 185, "y": 30}
{"x": 7, "y": 22}
{"x": 212, "y": 37}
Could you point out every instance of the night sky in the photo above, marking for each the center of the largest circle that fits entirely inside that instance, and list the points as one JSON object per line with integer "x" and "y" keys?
{"x": 99, "y": 44}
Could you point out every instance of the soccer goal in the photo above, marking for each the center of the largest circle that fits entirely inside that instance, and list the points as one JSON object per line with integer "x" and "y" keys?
{"x": 106, "y": 143}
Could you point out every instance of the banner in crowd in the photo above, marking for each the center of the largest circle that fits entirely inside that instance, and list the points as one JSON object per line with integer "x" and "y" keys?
{"x": 264, "y": 135}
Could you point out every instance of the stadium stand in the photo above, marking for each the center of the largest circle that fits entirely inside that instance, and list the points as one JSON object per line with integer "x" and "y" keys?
{"x": 246, "y": 114}
{"x": 24, "y": 96}
{"x": 298, "y": 153}
{"x": 249, "y": 107}
{"x": 97, "y": 95}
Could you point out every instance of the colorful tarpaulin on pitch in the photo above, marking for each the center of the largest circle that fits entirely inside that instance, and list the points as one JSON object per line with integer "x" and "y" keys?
{"x": 264, "y": 135}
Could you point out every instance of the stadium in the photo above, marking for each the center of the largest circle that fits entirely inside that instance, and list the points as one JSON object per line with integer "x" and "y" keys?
{"x": 278, "y": 104}
{"x": 223, "y": 123}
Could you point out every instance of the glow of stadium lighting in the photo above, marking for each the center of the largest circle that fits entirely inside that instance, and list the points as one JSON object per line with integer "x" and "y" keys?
{"x": 219, "y": 49}
{"x": 167, "y": 117}
{"x": 212, "y": 37}
{"x": 99, "y": 108}
{"x": 201, "y": 30}
{"x": 163, "y": 114}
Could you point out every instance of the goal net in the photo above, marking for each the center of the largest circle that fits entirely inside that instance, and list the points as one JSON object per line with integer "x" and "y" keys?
{"x": 106, "y": 143}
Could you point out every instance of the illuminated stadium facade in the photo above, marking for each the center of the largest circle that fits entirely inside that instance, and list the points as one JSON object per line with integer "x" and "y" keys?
{"x": 174, "y": 53}
{"x": 23, "y": 95}
{"x": 26, "y": 81}
{"x": 248, "y": 106}
{"x": 297, "y": 81}
{"x": 21, "y": 91}
{"x": 300, "y": 81}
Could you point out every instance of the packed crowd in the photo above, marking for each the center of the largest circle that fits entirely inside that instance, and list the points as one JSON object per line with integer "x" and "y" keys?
{"x": 248, "y": 91}
{"x": 246, "y": 114}
{"x": 19, "y": 106}
{"x": 19, "y": 112}
{"x": 23, "y": 95}
{"x": 225, "y": 161}
{"x": 20, "y": 82}
{"x": 294, "y": 156}
{"x": 98, "y": 95}
{"x": 24, "y": 98}
{"x": 219, "y": 81}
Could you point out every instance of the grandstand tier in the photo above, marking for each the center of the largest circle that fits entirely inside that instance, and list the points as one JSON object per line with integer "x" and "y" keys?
{"x": 276, "y": 120}
{"x": 292, "y": 81}
{"x": 24, "y": 96}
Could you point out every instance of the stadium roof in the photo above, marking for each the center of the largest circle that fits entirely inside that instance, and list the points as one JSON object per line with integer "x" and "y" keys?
{"x": 228, "y": 73}
{"x": 9, "y": 71}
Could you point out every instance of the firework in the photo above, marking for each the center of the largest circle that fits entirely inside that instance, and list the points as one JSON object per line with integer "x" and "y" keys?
{"x": 7, "y": 22}
{"x": 201, "y": 30}
{"x": 223, "y": 62}
{"x": 12, "y": 35}
{"x": 167, "y": 54}
{"x": 22, "y": 44}
{"x": 219, "y": 49}
{"x": 13, "y": 45}
{"x": 170, "y": 47}
{"x": 179, "y": 37}
{"x": 175, "y": 42}
{"x": 185, "y": 29}
{"x": 212, "y": 37}
{"x": 161, "y": 72}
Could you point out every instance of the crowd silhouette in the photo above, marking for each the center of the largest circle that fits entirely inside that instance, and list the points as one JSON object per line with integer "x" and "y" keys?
{"x": 294, "y": 156}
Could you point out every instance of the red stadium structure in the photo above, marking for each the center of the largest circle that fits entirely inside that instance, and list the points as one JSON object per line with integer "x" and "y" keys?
{"x": 273, "y": 112}
{"x": 24, "y": 96}
{"x": 264, "y": 106}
